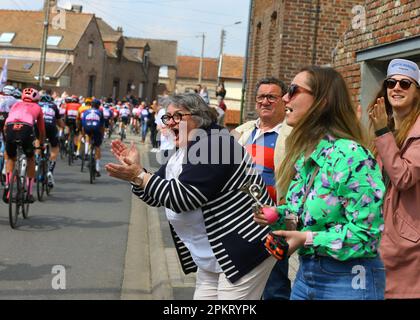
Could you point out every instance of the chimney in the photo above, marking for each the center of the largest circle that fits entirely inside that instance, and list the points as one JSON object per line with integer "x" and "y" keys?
{"x": 120, "y": 30}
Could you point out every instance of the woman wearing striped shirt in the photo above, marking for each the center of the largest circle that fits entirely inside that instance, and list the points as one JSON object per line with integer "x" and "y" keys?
{"x": 211, "y": 219}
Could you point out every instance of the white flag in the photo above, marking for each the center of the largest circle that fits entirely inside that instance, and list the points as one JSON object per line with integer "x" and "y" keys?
{"x": 3, "y": 76}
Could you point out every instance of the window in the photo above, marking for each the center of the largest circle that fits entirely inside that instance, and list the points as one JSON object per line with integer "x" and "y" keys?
{"x": 163, "y": 72}
{"x": 27, "y": 66}
{"x": 54, "y": 40}
{"x": 91, "y": 86}
{"x": 7, "y": 37}
{"x": 90, "y": 49}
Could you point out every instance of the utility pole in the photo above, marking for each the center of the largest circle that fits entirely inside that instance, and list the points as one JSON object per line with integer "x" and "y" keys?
{"x": 200, "y": 71}
{"x": 222, "y": 42}
{"x": 44, "y": 43}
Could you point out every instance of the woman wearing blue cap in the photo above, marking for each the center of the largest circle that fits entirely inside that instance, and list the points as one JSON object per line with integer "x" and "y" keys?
{"x": 395, "y": 118}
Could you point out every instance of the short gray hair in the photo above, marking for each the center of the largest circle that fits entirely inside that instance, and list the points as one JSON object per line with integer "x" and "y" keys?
{"x": 202, "y": 114}
{"x": 271, "y": 80}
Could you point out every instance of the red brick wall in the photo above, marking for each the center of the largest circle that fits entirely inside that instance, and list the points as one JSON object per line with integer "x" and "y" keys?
{"x": 387, "y": 21}
{"x": 284, "y": 43}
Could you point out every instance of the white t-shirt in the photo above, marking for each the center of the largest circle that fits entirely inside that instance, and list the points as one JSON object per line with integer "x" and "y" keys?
{"x": 166, "y": 139}
{"x": 189, "y": 225}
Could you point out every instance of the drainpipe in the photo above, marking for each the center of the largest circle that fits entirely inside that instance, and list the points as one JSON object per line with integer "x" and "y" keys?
{"x": 317, "y": 11}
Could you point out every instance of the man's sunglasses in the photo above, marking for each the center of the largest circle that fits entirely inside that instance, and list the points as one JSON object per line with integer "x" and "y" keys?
{"x": 294, "y": 88}
{"x": 404, "y": 83}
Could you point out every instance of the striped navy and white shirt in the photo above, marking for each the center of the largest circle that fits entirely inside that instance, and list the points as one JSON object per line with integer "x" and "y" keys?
{"x": 214, "y": 169}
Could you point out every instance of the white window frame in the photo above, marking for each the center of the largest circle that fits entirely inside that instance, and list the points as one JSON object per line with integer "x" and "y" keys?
{"x": 54, "y": 40}
{"x": 7, "y": 37}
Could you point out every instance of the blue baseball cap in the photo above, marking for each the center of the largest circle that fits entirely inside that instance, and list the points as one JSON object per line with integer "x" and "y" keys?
{"x": 404, "y": 67}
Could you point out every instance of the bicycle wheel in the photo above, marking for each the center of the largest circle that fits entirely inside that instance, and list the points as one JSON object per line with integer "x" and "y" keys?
{"x": 82, "y": 157}
{"x": 62, "y": 148}
{"x": 47, "y": 187}
{"x": 25, "y": 195}
{"x": 70, "y": 152}
{"x": 92, "y": 166}
{"x": 2, "y": 177}
{"x": 14, "y": 202}
{"x": 40, "y": 177}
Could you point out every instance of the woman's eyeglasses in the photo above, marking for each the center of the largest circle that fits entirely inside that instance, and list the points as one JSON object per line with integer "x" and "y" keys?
{"x": 177, "y": 117}
{"x": 294, "y": 88}
{"x": 404, "y": 83}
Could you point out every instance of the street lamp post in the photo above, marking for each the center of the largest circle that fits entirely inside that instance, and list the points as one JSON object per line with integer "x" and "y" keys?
{"x": 200, "y": 71}
{"x": 222, "y": 42}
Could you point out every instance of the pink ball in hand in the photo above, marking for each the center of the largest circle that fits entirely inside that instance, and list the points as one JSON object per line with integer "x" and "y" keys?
{"x": 270, "y": 214}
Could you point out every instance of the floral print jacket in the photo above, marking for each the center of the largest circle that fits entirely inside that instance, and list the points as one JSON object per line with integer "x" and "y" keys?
{"x": 344, "y": 206}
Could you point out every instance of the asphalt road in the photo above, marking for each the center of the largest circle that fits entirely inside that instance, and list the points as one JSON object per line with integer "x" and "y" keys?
{"x": 74, "y": 243}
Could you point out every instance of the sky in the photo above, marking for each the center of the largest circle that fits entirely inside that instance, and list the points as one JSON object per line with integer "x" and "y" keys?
{"x": 181, "y": 20}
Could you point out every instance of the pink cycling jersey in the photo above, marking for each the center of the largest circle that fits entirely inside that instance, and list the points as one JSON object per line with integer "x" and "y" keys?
{"x": 28, "y": 113}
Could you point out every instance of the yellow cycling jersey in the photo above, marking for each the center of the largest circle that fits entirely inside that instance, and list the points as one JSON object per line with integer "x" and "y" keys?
{"x": 82, "y": 109}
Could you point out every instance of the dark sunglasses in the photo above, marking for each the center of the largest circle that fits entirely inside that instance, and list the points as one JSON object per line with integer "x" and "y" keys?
{"x": 177, "y": 117}
{"x": 294, "y": 88}
{"x": 404, "y": 83}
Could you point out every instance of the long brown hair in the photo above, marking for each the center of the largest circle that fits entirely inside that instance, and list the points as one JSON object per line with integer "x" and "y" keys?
{"x": 332, "y": 112}
{"x": 408, "y": 122}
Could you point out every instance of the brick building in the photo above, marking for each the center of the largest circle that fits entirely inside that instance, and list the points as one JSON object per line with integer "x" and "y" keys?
{"x": 286, "y": 35}
{"x": 127, "y": 69}
{"x": 388, "y": 29}
{"x": 75, "y": 56}
{"x": 85, "y": 57}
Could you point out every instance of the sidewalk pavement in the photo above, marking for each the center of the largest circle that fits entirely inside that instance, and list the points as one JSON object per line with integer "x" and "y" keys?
{"x": 152, "y": 268}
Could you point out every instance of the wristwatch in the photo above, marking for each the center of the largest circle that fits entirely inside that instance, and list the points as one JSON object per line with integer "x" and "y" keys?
{"x": 139, "y": 179}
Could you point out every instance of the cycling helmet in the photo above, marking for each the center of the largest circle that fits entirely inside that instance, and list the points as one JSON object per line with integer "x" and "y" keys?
{"x": 68, "y": 99}
{"x": 8, "y": 90}
{"x": 75, "y": 99}
{"x": 17, "y": 93}
{"x": 46, "y": 98}
{"x": 88, "y": 101}
{"x": 30, "y": 94}
{"x": 96, "y": 103}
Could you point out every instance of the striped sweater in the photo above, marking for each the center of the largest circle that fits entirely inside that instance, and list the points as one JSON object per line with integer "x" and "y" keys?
{"x": 236, "y": 240}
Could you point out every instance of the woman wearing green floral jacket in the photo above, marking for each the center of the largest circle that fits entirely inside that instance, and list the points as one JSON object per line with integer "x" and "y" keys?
{"x": 334, "y": 188}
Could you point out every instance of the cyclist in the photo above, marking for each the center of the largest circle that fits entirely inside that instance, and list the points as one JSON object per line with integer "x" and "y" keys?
{"x": 20, "y": 126}
{"x": 52, "y": 118}
{"x": 17, "y": 94}
{"x": 135, "y": 119}
{"x": 62, "y": 110}
{"x": 72, "y": 113}
{"x": 124, "y": 116}
{"x": 108, "y": 116}
{"x": 6, "y": 102}
{"x": 85, "y": 106}
{"x": 93, "y": 127}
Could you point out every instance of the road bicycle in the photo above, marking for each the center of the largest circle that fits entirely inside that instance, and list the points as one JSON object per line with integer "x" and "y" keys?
{"x": 92, "y": 163}
{"x": 42, "y": 183}
{"x": 18, "y": 189}
{"x": 70, "y": 147}
{"x": 82, "y": 153}
{"x": 2, "y": 165}
{"x": 122, "y": 133}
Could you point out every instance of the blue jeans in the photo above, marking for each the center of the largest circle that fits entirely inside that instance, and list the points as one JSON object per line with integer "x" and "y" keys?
{"x": 278, "y": 284}
{"x": 325, "y": 278}
{"x": 144, "y": 128}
